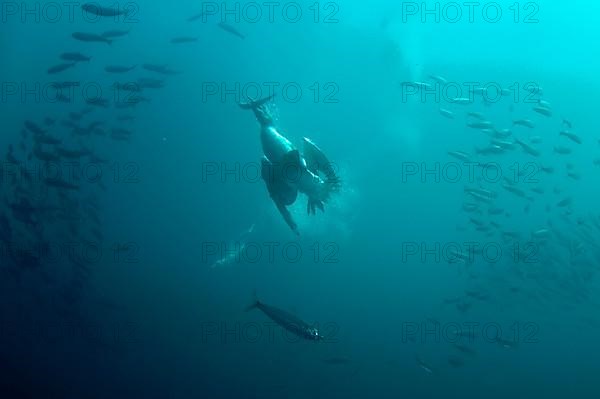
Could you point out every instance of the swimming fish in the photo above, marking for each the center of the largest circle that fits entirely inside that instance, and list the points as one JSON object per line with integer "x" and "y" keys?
{"x": 90, "y": 37}
{"x": 77, "y": 57}
{"x": 228, "y": 28}
{"x": 94, "y": 8}
{"x": 571, "y": 136}
{"x": 288, "y": 321}
{"x": 119, "y": 69}
{"x": 60, "y": 67}
{"x": 184, "y": 39}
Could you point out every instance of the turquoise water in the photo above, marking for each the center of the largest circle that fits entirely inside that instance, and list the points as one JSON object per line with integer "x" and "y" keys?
{"x": 458, "y": 256}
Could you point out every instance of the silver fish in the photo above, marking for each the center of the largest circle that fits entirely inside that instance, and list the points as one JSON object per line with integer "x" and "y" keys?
{"x": 481, "y": 125}
{"x": 543, "y": 111}
{"x": 447, "y": 113}
{"x": 571, "y": 136}
{"x": 524, "y": 122}
{"x": 418, "y": 85}
{"x": 461, "y": 100}
{"x": 463, "y": 156}
{"x": 527, "y": 148}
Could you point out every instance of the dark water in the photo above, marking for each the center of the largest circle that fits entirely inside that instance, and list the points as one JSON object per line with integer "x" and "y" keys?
{"x": 453, "y": 260}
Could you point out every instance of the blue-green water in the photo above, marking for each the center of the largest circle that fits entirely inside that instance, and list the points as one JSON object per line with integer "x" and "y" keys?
{"x": 458, "y": 258}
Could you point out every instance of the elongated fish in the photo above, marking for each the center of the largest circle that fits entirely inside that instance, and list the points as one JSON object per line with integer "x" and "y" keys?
{"x": 461, "y": 100}
{"x": 288, "y": 321}
{"x": 228, "y": 28}
{"x": 543, "y": 103}
{"x": 571, "y": 136}
{"x": 524, "y": 122}
{"x": 490, "y": 150}
{"x": 417, "y": 85}
{"x": 480, "y": 125}
{"x": 534, "y": 89}
{"x": 541, "y": 234}
{"x": 543, "y": 110}
{"x": 481, "y": 191}
{"x": 231, "y": 257}
{"x": 96, "y": 9}
{"x": 535, "y": 139}
{"x": 538, "y": 190}
{"x": 162, "y": 69}
{"x": 77, "y": 57}
{"x": 502, "y": 133}
{"x": 565, "y": 202}
{"x": 125, "y": 118}
{"x": 495, "y": 211}
{"x": 131, "y": 87}
{"x": 58, "y": 183}
{"x": 562, "y": 150}
{"x": 505, "y": 343}
{"x": 147, "y": 83}
{"x": 421, "y": 363}
{"x": 98, "y": 102}
{"x": 476, "y": 115}
{"x": 470, "y": 207}
{"x": 109, "y": 34}
{"x": 447, "y": 113}
{"x": 479, "y": 90}
{"x": 476, "y": 222}
{"x": 32, "y": 127}
{"x": 60, "y": 68}
{"x": 463, "y": 156}
{"x": 439, "y": 79}
{"x": 479, "y": 196}
{"x": 507, "y": 145}
{"x": 90, "y": 37}
{"x": 465, "y": 349}
{"x": 46, "y": 139}
{"x": 196, "y": 17}
{"x": 527, "y": 148}
{"x": 119, "y": 68}
{"x": 516, "y": 191}
{"x": 64, "y": 85}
